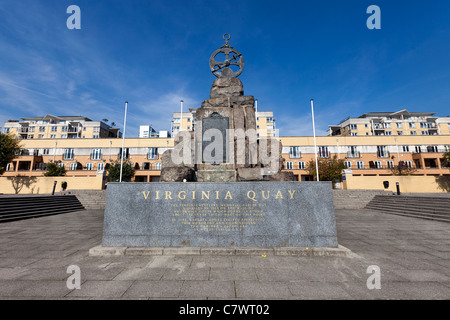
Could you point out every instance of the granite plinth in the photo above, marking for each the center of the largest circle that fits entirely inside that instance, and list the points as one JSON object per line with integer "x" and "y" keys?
{"x": 246, "y": 214}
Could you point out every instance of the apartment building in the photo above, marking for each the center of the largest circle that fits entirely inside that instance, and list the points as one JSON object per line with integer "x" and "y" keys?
{"x": 187, "y": 121}
{"x": 60, "y": 127}
{"x": 400, "y": 123}
{"x": 363, "y": 156}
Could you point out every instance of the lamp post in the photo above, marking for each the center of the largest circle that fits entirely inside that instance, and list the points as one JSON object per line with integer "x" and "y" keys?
{"x": 315, "y": 144}
{"x": 123, "y": 140}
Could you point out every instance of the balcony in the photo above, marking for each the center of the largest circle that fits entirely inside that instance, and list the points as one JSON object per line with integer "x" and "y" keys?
{"x": 383, "y": 154}
{"x": 353, "y": 155}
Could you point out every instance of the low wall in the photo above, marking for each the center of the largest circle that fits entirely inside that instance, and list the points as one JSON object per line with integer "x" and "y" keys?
{"x": 408, "y": 184}
{"x": 44, "y": 185}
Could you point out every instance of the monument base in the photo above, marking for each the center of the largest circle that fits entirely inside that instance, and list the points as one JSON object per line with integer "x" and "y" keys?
{"x": 220, "y": 214}
{"x": 340, "y": 251}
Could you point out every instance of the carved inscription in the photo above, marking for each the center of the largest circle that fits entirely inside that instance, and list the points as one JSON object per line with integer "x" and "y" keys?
{"x": 218, "y": 217}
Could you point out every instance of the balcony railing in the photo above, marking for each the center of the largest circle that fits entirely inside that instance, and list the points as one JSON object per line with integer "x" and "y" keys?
{"x": 354, "y": 155}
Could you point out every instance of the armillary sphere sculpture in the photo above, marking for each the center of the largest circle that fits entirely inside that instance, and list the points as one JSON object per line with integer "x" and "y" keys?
{"x": 221, "y": 69}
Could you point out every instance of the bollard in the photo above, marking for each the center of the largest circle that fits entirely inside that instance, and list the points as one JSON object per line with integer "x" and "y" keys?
{"x": 398, "y": 188}
{"x": 54, "y": 186}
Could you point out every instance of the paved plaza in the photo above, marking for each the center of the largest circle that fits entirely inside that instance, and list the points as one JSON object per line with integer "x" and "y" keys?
{"x": 413, "y": 257}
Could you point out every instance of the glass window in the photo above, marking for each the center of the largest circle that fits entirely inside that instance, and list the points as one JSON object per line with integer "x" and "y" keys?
{"x": 289, "y": 165}
{"x": 96, "y": 154}
{"x": 294, "y": 152}
{"x": 68, "y": 154}
{"x": 89, "y": 166}
{"x": 100, "y": 166}
{"x": 158, "y": 166}
{"x": 152, "y": 153}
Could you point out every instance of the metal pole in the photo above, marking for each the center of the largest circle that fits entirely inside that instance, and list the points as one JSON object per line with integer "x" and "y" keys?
{"x": 123, "y": 140}
{"x": 54, "y": 152}
{"x": 315, "y": 144}
{"x": 181, "y": 117}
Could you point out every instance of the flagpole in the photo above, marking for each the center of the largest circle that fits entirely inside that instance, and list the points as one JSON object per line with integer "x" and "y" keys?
{"x": 315, "y": 144}
{"x": 123, "y": 140}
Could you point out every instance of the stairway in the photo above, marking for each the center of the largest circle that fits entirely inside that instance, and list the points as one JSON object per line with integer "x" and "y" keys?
{"x": 433, "y": 208}
{"x": 91, "y": 199}
{"x": 14, "y": 208}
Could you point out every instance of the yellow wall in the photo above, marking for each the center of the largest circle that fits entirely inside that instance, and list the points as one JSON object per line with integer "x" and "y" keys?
{"x": 44, "y": 185}
{"x": 408, "y": 184}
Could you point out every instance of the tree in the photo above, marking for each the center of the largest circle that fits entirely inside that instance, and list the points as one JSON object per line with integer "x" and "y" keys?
{"x": 446, "y": 160}
{"x": 53, "y": 170}
{"x": 9, "y": 149}
{"x": 402, "y": 169}
{"x": 127, "y": 171}
{"x": 330, "y": 169}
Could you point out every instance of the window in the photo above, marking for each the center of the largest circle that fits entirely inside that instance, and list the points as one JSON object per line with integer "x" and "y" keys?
{"x": 64, "y": 136}
{"x": 360, "y": 164}
{"x": 301, "y": 165}
{"x": 45, "y": 151}
{"x": 390, "y": 164}
{"x": 353, "y": 152}
{"x": 96, "y": 154}
{"x": 89, "y": 166}
{"x": 64, "y": 128}
{"x": 41, "y": 136}
{"x": 354, "y": 134}
{"x": 408, "y": 163}
{"x": 399, "y": 125}
{"x": 294, "y": 152}
{"x": 348, "y": 164}
{"x": 414, "y": 133}
{"x": 425, "y": 133}
{"x": 177, "y": 120}
{"x": 405, "y": 148}
{"x": 412, "y": 125}
{"x": 146, "y": 166}
{"x": 100, "y": 166}
{"x": 378, "y": 165}
{"x": 188, "y": 128}
{"x": 386, "y": 125}
{"x": 53, "y": 136}
{"x": 188, "y": 119}
{"x": 95, "y": 136}
{"x": 73, "y": 166}
{"x": 96, "y": 129}
{"x": 269, "y": 119}
{"x": 388, "y": 133}
{"x": 62, "y": 165}
{"x": 152, "y": 153}
{"x": 366, "y": 125}
{"x": 289, "y": 165}
{"x": 432, "y": 149}
{"x": 126, "y": 153}
{"x": 54, "y": 128}
{"x": 353, "y": 127}
{"x": 399, "y": 133}
{"x": 157, "y": 165}
{"x": 41, "y": 129}
{"x": 323, "y": 152}
{"x": 382, "y": 152}
{"x": 269, "y": 127}
{"x": 423, "y": 125}
{"x": 68, "y": 154}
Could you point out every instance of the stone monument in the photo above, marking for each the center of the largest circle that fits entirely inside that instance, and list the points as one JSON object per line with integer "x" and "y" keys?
{"x": 221, "y": 185}
{"x": 225, "y": 146}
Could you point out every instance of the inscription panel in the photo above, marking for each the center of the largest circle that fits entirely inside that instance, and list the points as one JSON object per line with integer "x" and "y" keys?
{"x": 214, "y": 139}
{"x": 220, "y": 214}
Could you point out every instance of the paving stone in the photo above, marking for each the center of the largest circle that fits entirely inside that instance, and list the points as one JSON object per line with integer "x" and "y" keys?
{"x": 154, "y": 289}
{"x": 101, "y": 289}
{"x": 262, "y": 290}
{"x": 223, "y": 274}
{"x": 208, "y": 289}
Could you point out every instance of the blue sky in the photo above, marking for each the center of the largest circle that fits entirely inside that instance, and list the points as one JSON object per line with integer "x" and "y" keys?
{"x": 155, "y": 53}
